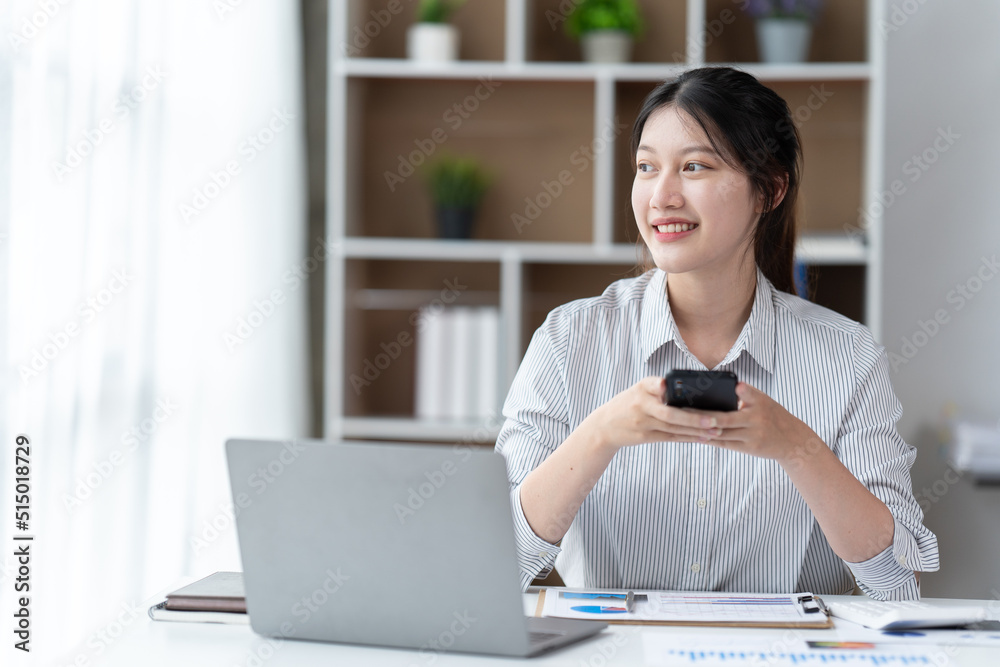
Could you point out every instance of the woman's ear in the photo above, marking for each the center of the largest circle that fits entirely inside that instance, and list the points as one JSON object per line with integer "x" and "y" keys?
{"x": 779, "y": 195}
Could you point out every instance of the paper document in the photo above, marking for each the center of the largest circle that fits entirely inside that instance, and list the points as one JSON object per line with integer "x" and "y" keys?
{"x": 798, "y": 610}
{"x": 670, "y": 650}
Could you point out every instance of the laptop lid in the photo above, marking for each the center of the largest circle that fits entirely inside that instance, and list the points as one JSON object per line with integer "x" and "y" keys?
{"x": 391, "y": 545}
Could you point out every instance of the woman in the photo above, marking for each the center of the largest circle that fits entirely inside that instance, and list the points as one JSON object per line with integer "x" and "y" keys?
{"x": 807, "y": 483}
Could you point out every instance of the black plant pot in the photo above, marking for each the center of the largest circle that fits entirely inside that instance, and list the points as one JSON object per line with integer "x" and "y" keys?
{"x": 455, "y": 222}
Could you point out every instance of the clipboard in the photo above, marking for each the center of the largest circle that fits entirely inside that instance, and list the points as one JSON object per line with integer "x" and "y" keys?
{"x": 686, "y": 608}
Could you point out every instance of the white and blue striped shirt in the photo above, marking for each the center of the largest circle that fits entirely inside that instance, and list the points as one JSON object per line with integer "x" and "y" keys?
{"x": 693, "y": 516}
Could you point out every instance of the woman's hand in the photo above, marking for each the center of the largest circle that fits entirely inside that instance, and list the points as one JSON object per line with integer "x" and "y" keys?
{"x": 760, "y": 427}
{"x": 638, "y": 415}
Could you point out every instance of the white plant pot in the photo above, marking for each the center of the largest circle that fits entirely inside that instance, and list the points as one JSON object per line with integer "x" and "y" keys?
{"x": 432, "y": 42}
{"x": 783, "y": 40}
{"x": 606, "y": 46}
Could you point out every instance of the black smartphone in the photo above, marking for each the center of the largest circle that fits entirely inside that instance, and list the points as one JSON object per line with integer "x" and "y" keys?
{"x": 704, "y": 390}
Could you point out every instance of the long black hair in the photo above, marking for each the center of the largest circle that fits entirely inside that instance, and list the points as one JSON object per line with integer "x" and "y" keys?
{"x": 750, "y": 126}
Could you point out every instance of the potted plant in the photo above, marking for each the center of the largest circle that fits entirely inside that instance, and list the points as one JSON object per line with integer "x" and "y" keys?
{"x": 784, "y": 28}
{"x": 457, "y": 186}
{"x": 432, "y": 38}
{"x": 606, "y": 29}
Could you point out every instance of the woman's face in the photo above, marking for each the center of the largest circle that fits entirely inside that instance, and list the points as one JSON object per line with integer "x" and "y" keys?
{"x": 694, "y": 211}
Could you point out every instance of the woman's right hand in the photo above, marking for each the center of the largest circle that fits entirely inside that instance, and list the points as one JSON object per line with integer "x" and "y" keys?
{"x": 638, "y": 415}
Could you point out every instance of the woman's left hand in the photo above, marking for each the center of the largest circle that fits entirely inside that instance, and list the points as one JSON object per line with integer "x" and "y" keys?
{"x": 760, "y": 427}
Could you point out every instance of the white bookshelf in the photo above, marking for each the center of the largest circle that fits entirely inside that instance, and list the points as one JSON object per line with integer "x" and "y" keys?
{"x": 511, "y": 258}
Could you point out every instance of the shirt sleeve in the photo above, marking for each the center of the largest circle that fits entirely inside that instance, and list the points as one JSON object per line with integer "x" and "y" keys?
{"x": 872, "y": 449}
{"x": 536, "y": 423}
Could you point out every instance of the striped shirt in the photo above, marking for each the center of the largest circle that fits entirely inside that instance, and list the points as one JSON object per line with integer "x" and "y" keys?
{"x": 693, "y": 516}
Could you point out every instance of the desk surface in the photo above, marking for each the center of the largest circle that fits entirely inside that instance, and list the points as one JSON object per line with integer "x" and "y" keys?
{"x": 156, "y": 643}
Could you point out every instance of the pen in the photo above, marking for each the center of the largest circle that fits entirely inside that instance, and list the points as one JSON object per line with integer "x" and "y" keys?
{"x": 630, "y": 601}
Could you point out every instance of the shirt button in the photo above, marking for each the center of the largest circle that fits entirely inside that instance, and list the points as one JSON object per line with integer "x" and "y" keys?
{"x": 543, "y": 554}
{"x": 695, "y": 567}
{"x": 902, "y": 561}
{"x": 701, "y": 503}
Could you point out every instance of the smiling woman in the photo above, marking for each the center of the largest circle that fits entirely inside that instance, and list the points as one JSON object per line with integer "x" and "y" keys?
{"x": 806, "y": 486}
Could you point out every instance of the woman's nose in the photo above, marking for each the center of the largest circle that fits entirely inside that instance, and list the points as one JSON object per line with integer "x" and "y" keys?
{"x": 666, "y": 193}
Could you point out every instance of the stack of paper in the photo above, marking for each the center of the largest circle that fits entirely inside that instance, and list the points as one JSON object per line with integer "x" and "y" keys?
{"x": 457, "y": 363}
{"x": 975, "y": 450}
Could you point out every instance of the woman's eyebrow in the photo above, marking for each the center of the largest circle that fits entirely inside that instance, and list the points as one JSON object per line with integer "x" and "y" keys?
{"x": 698, "y": 148}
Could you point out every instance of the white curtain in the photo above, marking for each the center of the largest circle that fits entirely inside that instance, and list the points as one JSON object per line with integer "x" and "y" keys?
{"x": 153, "y": 228}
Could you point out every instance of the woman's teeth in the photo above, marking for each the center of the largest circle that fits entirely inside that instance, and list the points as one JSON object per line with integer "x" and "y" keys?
{"x": 674, "y": 227}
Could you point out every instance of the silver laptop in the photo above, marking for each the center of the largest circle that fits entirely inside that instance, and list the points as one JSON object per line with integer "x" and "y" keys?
{"x": 391, "y": 545}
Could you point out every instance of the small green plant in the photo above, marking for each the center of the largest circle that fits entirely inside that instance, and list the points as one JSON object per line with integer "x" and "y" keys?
{"x": 604, "y": 15}
{"x": 437, "y": 11}
{"x": 457, "y": 182}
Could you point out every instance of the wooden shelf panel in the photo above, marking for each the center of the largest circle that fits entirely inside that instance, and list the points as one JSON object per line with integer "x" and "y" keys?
{"x": 662, "y": 41}
{"x": 375, "y": 32}
{"x": 533, "y": 137}
{"x": 830, "y": 117}
{"x": 551, "y": 285}
{"x": 838, "y": 36}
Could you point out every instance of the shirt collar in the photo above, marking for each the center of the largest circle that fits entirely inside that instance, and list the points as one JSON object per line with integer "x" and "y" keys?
{"x": 657, "y": 327}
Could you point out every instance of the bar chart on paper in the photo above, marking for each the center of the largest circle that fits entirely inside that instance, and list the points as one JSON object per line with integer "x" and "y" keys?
{"x": 671, "y": 651}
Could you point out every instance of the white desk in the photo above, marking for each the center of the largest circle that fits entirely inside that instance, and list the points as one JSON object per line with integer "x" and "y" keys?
{"x": 154, "y": 643}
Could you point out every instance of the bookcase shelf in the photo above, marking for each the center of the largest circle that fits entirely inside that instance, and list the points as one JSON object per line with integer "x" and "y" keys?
{"x": 531, "y": 111}
{"x": 393, "y": 68}
{"x": 407, "y": 428}
{"x": 813, "y": 248}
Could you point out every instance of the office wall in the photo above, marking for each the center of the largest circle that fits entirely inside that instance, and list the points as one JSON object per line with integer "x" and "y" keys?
{"x": 943, "y": 96}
